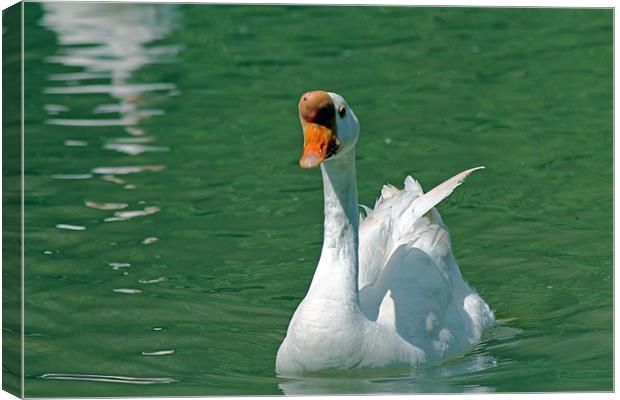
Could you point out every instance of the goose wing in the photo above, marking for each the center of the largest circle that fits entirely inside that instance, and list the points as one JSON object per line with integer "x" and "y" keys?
{"x": 409, "y": 279}
{"x": 404, "y": 217}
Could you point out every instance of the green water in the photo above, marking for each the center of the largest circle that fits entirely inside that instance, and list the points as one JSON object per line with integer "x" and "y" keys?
{"x": 181, "y": 121}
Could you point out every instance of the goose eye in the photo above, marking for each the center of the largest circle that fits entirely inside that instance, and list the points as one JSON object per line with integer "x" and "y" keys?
{"x": 342, "y": 111}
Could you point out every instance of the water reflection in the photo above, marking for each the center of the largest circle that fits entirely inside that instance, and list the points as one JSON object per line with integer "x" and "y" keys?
{"x": 106, "y": 206}
{"x": 70, "y": 227}
{"x": 72, "y": 176}
{"x": 431, "y": 380}
{"x": 109, "y": 41}
{"x": 426, "y": 380}
{"x": 126, "y": 170}
{"x": 108, "y": 378}
{"x": 331, "y": 386}
{"x": 125, "y": 215}
{"x": 133, "y": 145}
{"x": 102, "y": 47}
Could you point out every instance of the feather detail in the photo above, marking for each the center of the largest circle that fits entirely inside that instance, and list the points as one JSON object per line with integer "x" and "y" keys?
{"x": 429, "y": 200}
{"x": 411, "y": 185}
{"x": 387, "y": 192}
{"x": 404, "y": 217}
{"x": 387, "y": 313}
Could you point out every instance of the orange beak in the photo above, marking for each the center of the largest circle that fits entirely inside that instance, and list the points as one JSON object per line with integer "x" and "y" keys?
{"x": 320, "y": 143}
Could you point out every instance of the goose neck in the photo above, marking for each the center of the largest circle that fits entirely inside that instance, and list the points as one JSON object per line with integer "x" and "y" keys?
{"x": 336, "y": 274}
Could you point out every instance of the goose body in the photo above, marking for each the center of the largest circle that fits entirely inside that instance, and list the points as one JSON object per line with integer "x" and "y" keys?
{"x": 387, "y": 291}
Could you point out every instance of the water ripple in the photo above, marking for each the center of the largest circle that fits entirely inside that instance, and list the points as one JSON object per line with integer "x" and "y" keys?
{"x": 134, "y": 149}
{"x": 106, "y": 206}
{"x": 158, "y": 353}
{"x": 109, "y": 378}
{"x": 114, "y": 90}
{"x": 149, "y": 281}
{"x": 75, "y": 143}
{"x": 127, "y": 291}
{"x": 126, "y": 170}
{"x": 129, "y": 120}
{"x": 71, "y": 227}
{"x": 126, "y": 215}
{"x": 150, "y": 240}
{"x": 72, "y": 176}
{"x": 117, "y": 266}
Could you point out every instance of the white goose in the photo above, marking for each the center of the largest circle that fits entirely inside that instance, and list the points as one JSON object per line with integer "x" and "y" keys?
{"x": 387, "y": 291}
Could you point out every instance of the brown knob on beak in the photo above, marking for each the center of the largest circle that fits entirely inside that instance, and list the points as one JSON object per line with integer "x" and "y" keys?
{"x": 317, "y": 107}
{"x": 318, "y": 116}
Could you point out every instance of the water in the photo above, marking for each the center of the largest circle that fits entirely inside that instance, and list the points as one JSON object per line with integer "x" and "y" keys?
{"x": 171, "y": 234}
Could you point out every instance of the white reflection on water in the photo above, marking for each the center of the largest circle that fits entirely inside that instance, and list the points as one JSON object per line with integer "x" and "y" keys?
{"x": 127, "y": 170}
{"x": 106, "y": 206}
{"x": 428, "y": 380}
{"x": 109, "y": 41}
{"x": 158, "y": 353}
{"x": 447, "y": 377}
{"x": 71, "y": 227}
{"x": 109, "y": 378}
{"x": 72, "y": 176}
{"x": 134, "y": 149}
{"x": 126, "y": 215}
{"x": 127, "y": 290}
{"x": 101, "y": 47}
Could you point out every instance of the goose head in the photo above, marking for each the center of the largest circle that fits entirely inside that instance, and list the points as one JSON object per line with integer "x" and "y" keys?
{"x": 330, "y": 127}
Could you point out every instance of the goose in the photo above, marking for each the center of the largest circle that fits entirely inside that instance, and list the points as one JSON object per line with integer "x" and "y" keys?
{"x": 387, "y": 290}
